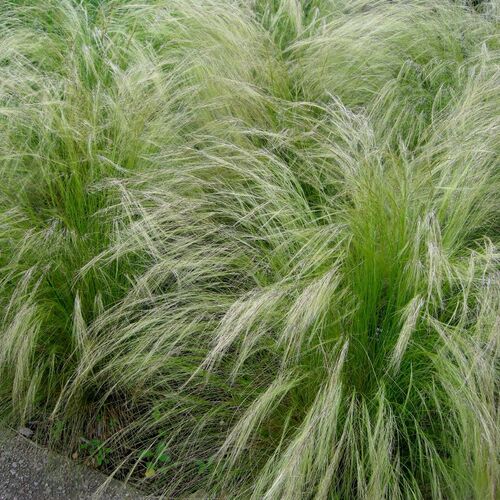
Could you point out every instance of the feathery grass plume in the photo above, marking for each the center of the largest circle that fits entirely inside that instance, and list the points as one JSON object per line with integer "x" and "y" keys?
{"x": 251, "y": 248}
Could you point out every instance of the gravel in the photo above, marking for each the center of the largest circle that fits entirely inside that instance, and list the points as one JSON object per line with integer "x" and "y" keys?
{"x": 29, "y": 472}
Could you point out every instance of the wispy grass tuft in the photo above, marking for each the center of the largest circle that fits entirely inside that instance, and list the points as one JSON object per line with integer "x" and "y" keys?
{"x": 250, "y": 249}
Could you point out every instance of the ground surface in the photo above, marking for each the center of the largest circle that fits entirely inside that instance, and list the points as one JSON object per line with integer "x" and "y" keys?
{"x": 30, "y": 472}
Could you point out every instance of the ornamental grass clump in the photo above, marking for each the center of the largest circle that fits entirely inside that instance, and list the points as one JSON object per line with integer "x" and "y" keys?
{"x": 250, "y": 249}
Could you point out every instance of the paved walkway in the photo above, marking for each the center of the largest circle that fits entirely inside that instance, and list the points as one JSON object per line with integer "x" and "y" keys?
{"x": 28, "y": 472}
